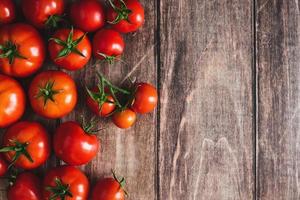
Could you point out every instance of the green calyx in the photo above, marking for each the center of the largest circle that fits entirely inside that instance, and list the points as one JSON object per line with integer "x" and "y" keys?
{"x": 53, "y": 20}
{"x": 121, "y": 181}
{"x": 47, "y": 92}
{"x": 109, "y": 59}
{"x": 10, "y": 50}
{"x": 69, "y": 46}
{"x": 19, "y": 149}
{"x": 60, "y": 190}
{"x": 122, "y": 11}
{"x": 89, "y": 126}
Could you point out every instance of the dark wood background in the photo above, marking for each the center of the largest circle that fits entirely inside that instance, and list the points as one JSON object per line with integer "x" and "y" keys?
{"x": 227, "y": 126}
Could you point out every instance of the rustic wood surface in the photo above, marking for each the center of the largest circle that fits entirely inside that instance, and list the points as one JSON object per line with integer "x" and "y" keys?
{"x": 227, "y": 126}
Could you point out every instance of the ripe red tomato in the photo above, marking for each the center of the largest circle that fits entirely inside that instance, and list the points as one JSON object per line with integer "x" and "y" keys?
{"x": 12, "y": 104}
{"x": 88, "y": 15}
{"x": 7, "y": 11}
{"x": 53, "y": 94}
{"x": 99, "y": 105}
{"x": 126, "y": 16}
{"x": 108, "y": 44}
{"x": 3, "y": 166}
{"x": 43, "y": 13}
{"x": 145, "y": 98}
{"x": 26, "y": 144}
{"x": 124, "y": 119}
{"x": 70, "y": 49}
{"x": 65, "y": 182}
{"x": 27, "y": 186}
{"x": 22, "y": 50}
{"x": 75, "y": 144}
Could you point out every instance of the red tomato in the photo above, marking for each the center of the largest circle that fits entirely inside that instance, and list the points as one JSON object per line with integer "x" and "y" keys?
{"x": 43, "y": 13}
{"x": 145, "y": 98}
{"x": 53, "y": 94}
{"x": 7, "y": 11}
{"x": 108, "y": 44}
{"x": 22, "y": 50}
{"x": 65, "y": 182}
{"x": 70, "y": 49}
{"x": 27, "y": 186}
{"x": 126, "y": 17}
{"x": 88, "y": 15}
{"x": 26, "y": 144}
{"x": 100, "y": 106}
{"x": 75, "y": 145}
{"x": 12, "y": 104}
{"x": 3, "y": 166}
{"x": 124, "y": 119}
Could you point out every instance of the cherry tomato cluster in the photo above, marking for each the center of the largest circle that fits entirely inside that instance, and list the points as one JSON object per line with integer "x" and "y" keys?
{"x": 87, "y": 30}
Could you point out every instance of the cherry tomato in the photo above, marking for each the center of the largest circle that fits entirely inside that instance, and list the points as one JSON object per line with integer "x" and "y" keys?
{"x": 88, "y": 15}
{"x": 43, "y": 13}
{"x": 7, "y": 11}
{"x": 109, "y": 189}
{"x": 126, "y": 16}
{"x": 3, "y": 166}
{"x": 27, "y": 186}
{"x": 145, "y": 98}
{"x": 22, "y": 50}
{"x": 26, "y": 144}
{"x": 53, "y": 94}
{"x": 99, "y": 106}
{"x": 108, "y": 44}
{"x": 12, "y": 103}
{"x": 124, "y": 119}
{"x": 70, "y": 49}
{"x": 75, "y": 144}
{"x": 65, "y": 182}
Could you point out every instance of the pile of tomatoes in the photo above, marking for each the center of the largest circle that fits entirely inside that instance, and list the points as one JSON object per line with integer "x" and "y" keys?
{"x": 87, "y": 29}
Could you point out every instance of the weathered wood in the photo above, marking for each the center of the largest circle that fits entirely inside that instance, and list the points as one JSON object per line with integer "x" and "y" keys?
{"x": 206, "y": 114}
{"x": 278, "y": 62}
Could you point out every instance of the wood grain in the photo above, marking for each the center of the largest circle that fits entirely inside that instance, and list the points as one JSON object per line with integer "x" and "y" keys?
{"x": 278, "y": 61}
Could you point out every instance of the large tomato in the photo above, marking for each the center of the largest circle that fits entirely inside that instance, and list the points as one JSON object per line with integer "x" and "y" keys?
{"x": 26, "y": 145}
{"x": 3, "y": 166}
{"x": 88, "y": 15}
{"x": 26, "y": 186}
{"x": 65, "y": 182}
{"x": 124, "y": 119}
{"x": 70, "y": 49}
{"x": 7, "y": 11}
{"x": 75, "y": 144}
{"x": 43, "y": 13}
{"x": 12, "y": 103}
{"x": 108, "y": 44}
{"x": 53, "y": 94}
{"x": 145, "y": 98}
{"x": 126, "y": 15}
{"x": 22, "y": 51}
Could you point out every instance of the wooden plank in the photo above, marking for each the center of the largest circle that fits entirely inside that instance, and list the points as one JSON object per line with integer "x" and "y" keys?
{"x": 278, "y": 62}
{"x": 206, "y": 115}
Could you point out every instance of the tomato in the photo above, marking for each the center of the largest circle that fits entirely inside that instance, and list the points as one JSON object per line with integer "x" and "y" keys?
{"x": 126, "y": 16}
{"x": 108, "y": 44}
{"x": 109, "y": 189}
{"x": 88, "y": 15}
{"x": 22, "y": 50}
{"x": 70, "y": 49}
{"x": 124, "y": 119}
{"x": 3, "y": 166}
{"x": 27, "y": 186}
{"x": 12, "y": 103}
{"x": 75, "y": 144}
{"x": 43, "y": 13}
{"x": 7, "y": 11}
{"x": 145, "y": 98}
{"x": 53, "y": 94}
{"x": 26, "y": 144}
{"x": 100, "y": 106}
{"x": 65, "y": 182}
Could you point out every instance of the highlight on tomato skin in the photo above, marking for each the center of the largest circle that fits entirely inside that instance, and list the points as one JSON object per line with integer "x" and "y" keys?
{"x": 7, "y": 11}
{"x": 3, "y": 166}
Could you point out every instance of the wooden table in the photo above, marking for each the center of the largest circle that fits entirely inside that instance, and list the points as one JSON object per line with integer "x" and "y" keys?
{"x": 227, "y": 126}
